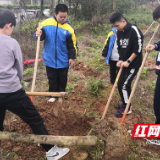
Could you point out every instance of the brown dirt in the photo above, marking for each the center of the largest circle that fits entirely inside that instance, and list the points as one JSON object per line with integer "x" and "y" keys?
{"x": 150, "y": 63}
{"x": 73, "y": 118}
{"x": 143, "y": 27}
{"x": 57, "y": 121}
{"x": 87, "y": 71}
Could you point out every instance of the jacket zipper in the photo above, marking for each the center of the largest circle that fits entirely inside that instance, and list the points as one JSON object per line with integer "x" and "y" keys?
{"x": 56, "y": 45}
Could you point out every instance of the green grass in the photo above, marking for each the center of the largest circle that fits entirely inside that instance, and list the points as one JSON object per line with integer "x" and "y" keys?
{"x": 69, "y": 87}
{"x": 95, "y": 44}
{"x": 143, "y": 74}
{"x": 136, "y": 17}
{"x": 153, "y": 86}
{"x": 95, "y": 86}
{"x": 28, "y": 71}
{"x": 75, "y": 78}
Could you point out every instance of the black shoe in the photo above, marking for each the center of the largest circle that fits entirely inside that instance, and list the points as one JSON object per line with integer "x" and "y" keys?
{"x": 120, "y": 112}
{"x": 119, "y": 106}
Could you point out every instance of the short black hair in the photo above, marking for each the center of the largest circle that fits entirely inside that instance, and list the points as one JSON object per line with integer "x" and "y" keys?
{"x": 156, "y": 13}
{"x": 6, "y": 17}
{"x": 116, "y": 17}
{"x": 61, "y": 8}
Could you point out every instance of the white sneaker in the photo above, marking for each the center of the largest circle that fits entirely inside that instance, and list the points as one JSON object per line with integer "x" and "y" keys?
{"x": 56, "y": 153}
{"x": 130, "y": 110}
{"x": 52, "y": 100}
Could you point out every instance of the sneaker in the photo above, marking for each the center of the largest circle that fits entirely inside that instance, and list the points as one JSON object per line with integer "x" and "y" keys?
{"x": 119, "y": 106}
{"x": 56, "y": 153}
{"x": 120, "y": 112}
{"x": 52, "y": 100}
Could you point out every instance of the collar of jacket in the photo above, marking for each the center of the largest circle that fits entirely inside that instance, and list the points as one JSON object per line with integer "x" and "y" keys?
{"x": 68, "y": 21}
{"x": 128, "y": 26}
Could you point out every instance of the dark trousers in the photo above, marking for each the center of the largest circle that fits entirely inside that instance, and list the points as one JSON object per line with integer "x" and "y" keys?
{"x": 124, "y": 83}
{"x": 157, "y": 101}
{"x": 113, "y": 71}
{"x": 57, "y": 79}
{"x": 20, "y": 104}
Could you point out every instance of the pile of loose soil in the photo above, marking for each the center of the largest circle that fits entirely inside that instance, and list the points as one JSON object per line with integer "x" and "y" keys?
{"x": 57, "y": 121}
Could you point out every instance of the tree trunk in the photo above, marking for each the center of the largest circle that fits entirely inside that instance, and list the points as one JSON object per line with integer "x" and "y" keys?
{"x": 52, "y": 7}
{"x": 114, "y": 5}
{"x": 42, "y": 2}
{"x": 49, "y": 139}
{"x": 70, "y": 3}
{"x": 76, "y": 8}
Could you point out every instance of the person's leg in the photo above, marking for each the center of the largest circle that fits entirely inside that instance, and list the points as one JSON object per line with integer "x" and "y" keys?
{"x": 121, "y": 81}
{"x": 20, "y": 104}
{"x": 52, "y": 75}
{"x": 124, "y": 87}
{"x": 2, "y": 116}
{"x": 2, "y": 109}
{"x": 113, "y": 71}
{"x": 157, "y": 101}
{"x": 62, "y": 79}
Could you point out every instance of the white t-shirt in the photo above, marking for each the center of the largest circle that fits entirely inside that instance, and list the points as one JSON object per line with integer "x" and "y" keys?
{"x": 115, "y": 55}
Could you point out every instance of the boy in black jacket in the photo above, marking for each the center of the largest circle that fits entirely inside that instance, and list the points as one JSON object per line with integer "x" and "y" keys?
{"x": 156, "y": 46}
{"x": 130, "y": 44}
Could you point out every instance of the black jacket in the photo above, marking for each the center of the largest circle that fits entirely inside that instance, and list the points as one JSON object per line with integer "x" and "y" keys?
{"x": 130, "y": 41}
{"x": 157, "y": 64}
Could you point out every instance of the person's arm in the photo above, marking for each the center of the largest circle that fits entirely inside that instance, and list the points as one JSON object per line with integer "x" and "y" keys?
{"x": 119, "y": 48}
{"x": 157, "y": 46}
{"x": 40, "y": 33}
{"x": 151, "y": 47}
{"x": 72, "y": 46}
{"x": 157, "y": 67}
{"x": 132, "y": 57}
{"x": 119, "y": 52}
{"x": 18, "y": 60}
{"x": 137, "y": 43}
{"x": 137, "y": 46}
{"x": 106, "y": 46}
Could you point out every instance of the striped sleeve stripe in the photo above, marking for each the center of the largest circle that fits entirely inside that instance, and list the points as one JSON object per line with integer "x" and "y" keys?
{"x": 107, "y": 39}
{"x": 74, "y": 42}
{"x": 139, "y": 38}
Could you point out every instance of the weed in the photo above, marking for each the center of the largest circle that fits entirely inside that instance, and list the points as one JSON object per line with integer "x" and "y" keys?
{"x": 100, "y": 67}
{"x": 94, "y": 44}
{"x": 95, "y": 86}
{"x": 153, "y": 86}
{"x": 92, "y": 50}
{"x": 96, "y": 151}
{"x": 69, "y": 87}
{"x": 29, "y": 71}
{"x": 143, "y": 74}
{"x": 75, "y": 78}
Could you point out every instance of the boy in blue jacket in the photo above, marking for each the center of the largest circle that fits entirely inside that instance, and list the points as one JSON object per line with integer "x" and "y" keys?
{"x": 12, "y": 96}
{"x": 110, "y": 52}
{"x": 156, "y": 46}
{"x": 60, "y": 48}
